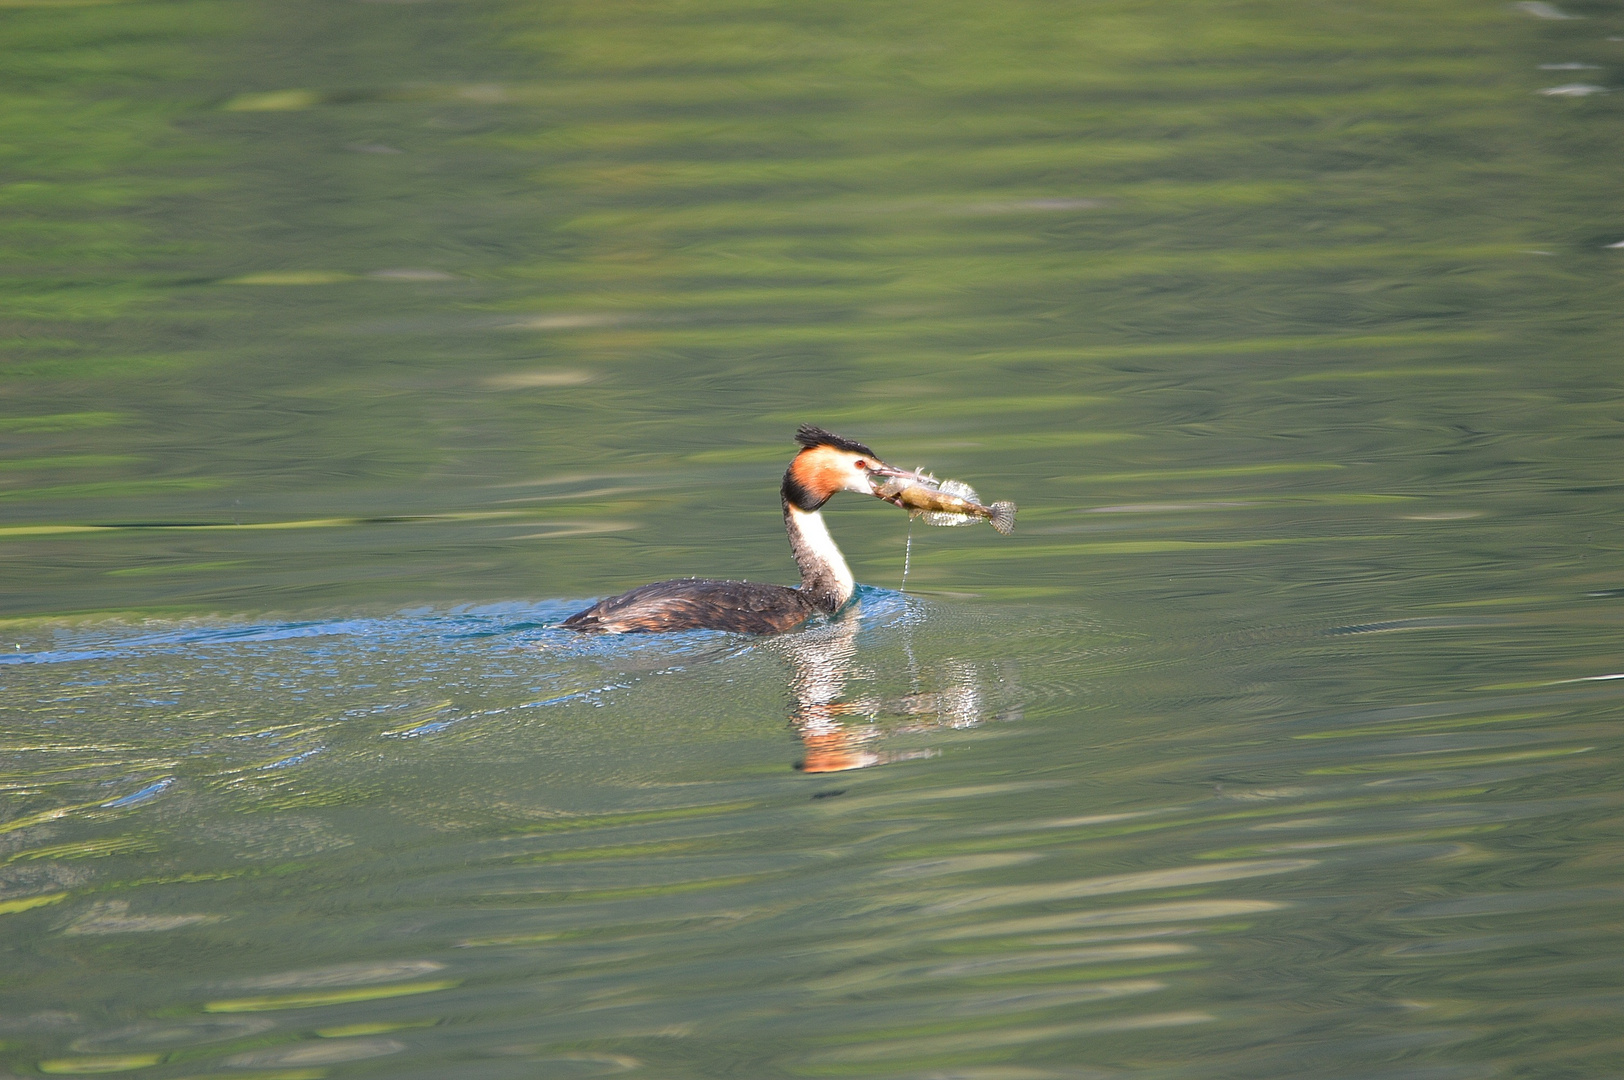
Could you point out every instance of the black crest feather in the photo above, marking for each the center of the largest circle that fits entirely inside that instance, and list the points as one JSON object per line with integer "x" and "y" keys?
{"x": 810, "y": 435}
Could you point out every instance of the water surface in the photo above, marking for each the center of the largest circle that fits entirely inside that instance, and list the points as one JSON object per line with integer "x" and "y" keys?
{"x": 350, "y": 346}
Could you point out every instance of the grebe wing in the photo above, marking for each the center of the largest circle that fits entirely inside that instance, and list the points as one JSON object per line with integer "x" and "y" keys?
{"x": 743, "y": 607}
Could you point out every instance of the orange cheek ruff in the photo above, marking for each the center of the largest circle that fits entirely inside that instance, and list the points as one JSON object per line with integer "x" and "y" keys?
{"x": 821, "y": 471}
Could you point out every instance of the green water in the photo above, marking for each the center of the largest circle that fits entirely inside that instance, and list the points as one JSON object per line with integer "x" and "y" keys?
{"x": 348, "y": 346}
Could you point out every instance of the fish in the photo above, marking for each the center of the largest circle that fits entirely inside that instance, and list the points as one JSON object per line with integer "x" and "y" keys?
{"x": 945, "y": 502}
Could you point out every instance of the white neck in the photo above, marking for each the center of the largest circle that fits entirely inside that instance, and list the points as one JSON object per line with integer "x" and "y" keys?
{"x": 825, "y": 578}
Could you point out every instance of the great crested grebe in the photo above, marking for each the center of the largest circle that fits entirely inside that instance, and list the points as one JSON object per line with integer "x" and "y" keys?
{"x": 826, "y": 464}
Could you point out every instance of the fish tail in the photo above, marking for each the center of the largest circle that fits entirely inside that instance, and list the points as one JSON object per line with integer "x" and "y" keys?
{"x": 1002, "y": 517}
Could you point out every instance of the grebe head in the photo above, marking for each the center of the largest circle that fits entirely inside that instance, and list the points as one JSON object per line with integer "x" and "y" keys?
{"x": 829, "y": 463}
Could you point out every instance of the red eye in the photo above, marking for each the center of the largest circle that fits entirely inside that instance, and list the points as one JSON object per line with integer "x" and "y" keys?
{"x": 860, "y": 463}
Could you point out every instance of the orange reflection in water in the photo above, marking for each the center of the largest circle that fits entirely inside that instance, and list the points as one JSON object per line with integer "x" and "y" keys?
{"x": 841, "y": 733}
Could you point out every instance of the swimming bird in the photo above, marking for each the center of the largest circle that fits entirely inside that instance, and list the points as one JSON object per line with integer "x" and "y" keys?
{"x": 826, "y": 463}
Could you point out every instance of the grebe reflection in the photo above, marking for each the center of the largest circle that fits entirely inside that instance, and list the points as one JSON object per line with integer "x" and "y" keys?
{"x": 841, "y": 732}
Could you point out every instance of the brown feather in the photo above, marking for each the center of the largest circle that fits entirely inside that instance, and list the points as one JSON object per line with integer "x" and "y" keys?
{"x": 811, "y": 436}
{"x": 743, "y": 607}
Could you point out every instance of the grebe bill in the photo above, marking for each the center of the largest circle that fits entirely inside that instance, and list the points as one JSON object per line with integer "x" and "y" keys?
{"x": 827, "y": 463}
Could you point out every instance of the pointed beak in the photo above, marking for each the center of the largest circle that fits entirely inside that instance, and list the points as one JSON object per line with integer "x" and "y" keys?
{"x": 879, "y": 472}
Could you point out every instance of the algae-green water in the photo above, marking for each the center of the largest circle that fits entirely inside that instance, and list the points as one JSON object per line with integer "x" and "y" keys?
{"x": 345, "y": 347}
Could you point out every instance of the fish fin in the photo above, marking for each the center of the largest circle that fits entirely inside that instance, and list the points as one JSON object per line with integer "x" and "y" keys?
{"x": 1003, "y": 517}
{"x": 963, "y": 491}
